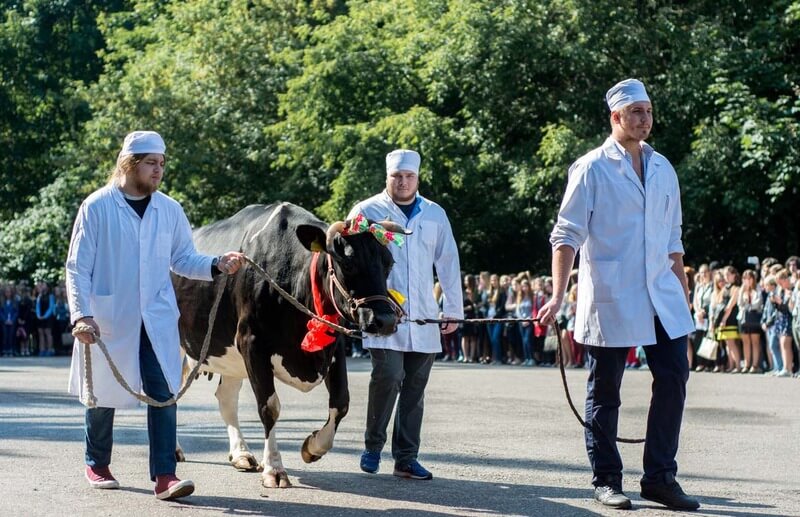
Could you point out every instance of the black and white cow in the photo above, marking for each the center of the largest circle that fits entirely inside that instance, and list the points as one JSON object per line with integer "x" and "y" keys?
{"x": 257, "y": 333}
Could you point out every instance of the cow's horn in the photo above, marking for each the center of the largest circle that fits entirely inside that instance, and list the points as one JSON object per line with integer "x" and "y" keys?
{"x": 394, "y": 227}
{"x": 333, "y": 229}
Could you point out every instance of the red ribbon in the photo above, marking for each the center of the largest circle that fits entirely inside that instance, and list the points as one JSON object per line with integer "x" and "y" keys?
{"x": 319, "y": 335}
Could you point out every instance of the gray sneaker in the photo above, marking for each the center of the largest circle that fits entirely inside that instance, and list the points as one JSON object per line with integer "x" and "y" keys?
{"x": 612, "y": 497}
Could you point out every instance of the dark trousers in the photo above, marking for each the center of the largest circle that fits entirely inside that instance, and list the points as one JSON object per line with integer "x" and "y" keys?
{"x": 397, "y": 373}
{"x": 161, "y": 422}
{"x": 670, "y": 370}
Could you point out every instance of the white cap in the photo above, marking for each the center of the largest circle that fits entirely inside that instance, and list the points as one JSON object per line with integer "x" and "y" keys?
{"x": 624, "y": 93}
{"x": 143, "y": 142}
{"x": 403, "y": 160}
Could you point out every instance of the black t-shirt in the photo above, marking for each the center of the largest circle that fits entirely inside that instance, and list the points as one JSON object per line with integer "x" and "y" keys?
{"x": 139, "y": 205}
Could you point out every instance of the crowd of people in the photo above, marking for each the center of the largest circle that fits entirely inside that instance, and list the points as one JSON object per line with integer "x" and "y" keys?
{"x": 754, "y": 319}
{"x": 35, "y": 320}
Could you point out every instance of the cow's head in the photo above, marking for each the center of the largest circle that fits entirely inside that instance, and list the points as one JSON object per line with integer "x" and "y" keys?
{"x": 361, "y": 265}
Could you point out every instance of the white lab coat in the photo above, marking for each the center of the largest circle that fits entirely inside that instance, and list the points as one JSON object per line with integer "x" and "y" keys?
{"x": 118, "y": 272}
{"x": 431, "y": 244}
{"x": 625, "y": 233}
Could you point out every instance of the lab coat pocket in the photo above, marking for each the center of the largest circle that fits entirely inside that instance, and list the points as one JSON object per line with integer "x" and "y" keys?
{"x": 605, "y": 280}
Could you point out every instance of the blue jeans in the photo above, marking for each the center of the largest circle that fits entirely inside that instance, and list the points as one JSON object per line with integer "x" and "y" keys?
{"x": 774, "y": 345}
{"x": 527, "y": 341}
{"x": 670, "y": 369}
{"x": 161, "y": 422}
{"x": 496, "y": 338}
{"x": 9, "y": 338}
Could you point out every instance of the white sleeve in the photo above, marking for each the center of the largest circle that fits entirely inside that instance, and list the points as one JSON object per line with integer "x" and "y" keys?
{"x": 572, "y": 226}
{"x": 448, "y": 269}
{"x": 80, "y": 263}
{"x": 185, "y": 260}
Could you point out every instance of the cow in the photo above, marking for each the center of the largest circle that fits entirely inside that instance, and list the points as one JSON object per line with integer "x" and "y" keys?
{"x": 257, "y": 334}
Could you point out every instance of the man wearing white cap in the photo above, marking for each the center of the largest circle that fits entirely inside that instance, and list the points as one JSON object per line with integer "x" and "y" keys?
{"x": 126, "y": 239}
{"x": 401, "y": 363}
{"x": 622, "y": 210}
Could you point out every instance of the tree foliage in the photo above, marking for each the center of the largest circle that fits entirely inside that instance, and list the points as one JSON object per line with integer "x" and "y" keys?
{"x": 263, "y": 100}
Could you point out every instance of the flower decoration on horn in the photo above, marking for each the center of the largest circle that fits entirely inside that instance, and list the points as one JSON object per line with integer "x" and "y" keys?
{"x": 360, "y": 224}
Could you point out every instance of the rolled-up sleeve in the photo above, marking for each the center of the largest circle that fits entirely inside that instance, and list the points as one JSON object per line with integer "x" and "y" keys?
{"x": 572, "y": 226}
{"x": 448, "y": 270}
{"x": 186, "y": 261}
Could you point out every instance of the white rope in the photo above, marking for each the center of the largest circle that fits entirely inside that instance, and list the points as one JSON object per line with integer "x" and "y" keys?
{"x": 91, "y": 400}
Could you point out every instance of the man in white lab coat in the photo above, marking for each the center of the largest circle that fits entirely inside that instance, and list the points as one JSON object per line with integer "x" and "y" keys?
{"x": 401, "y": 363}
{"x": 622, "y": 210}
{"x": 126, "y": 238}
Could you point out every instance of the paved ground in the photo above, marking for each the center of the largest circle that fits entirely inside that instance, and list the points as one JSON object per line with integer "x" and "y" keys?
{"x": 500, "y": 440}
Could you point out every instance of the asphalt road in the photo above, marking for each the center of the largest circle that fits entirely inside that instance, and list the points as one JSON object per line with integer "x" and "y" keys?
{"x": 500, "y": 441}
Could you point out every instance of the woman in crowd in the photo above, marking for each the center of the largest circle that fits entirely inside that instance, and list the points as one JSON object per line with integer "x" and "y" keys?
{"x": 727, "y": 328}
{"x": 8, "y": 319}
{"x": 469, "y": 331}
{"x": 563, "y": 325}
{"x": 768, "y": 317}
{"x": 524, "y": 309}
{"x": 61, "y": 315}
{"x": 45, "y": 319}
{"x": 25, "y": 321}
{"x": 750, "y": 310}
{"x": 512, "y": 329}
{"x": 483, "y": 345}
{"x": 701, "y": 303}
{"x": 783, "y": 320}
{"x": 496, "y": 309}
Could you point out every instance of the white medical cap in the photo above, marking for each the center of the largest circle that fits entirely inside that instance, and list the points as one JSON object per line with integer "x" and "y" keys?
{"x": 403, "y": 160}
{"x": 143, "y": 142}
{"x": 624, "y": 93}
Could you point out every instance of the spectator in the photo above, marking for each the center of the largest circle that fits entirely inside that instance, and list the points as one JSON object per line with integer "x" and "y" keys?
{"x": 469, "y": 331}
{"x": 701, "y": 302}
{"x": 768, "y": 325}
{"x": 8, "y": 315}
{"x": 750, "y": 310}
{"x": 727, "y": 328}
{"x": 25, "y": 321}
{"x": 524, "y": 309}
{"x": 496, "y": 309}
{"x": 45, "y": 319}
{"x": 783, "y": 320}
{"x": 512, "y": 329}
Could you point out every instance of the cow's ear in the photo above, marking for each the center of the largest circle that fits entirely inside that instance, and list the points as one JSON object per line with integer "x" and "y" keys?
{"x": 311, "y": 237}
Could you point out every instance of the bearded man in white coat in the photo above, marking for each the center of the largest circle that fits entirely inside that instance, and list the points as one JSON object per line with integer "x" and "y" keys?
{"x": 622, "y": 210}
{"x": 126, "y": 238}
{"x": 401, "y": 363}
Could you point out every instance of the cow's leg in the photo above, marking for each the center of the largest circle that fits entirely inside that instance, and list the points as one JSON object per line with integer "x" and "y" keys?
{"x": 228, "y": 397}
{"x": 321, "y": 441}
{"x": 274, "y": 475}
{"x": 259, "y": 371}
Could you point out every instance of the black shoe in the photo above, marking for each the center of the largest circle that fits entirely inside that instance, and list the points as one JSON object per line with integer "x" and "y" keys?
{"x": 612, "y": 497}
{"x": 669, "y": 493}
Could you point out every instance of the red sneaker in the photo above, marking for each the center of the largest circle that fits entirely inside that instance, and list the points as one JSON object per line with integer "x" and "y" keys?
{"x": 100, "y": 477}
{"x": 170, "y": 487}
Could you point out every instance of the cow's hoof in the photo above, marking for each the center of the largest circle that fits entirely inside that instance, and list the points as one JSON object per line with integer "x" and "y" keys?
{"x": 307, "y": 456}
{"x": 276, "y": 479}
{"x": 245, "y": 463}
{"x": 179, "y": 456}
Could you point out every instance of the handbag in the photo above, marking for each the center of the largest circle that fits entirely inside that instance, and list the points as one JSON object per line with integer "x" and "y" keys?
{"x": 708, "y": 348}
{"x": 551, "y": 340}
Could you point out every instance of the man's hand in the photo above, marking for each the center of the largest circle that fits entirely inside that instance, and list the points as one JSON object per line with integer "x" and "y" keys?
{"x": 87, "y": 338}
{"x": 547, "y": 314}
{"x": 449, "y": 327}
{"x": 230, "y": 262}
